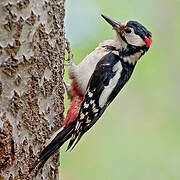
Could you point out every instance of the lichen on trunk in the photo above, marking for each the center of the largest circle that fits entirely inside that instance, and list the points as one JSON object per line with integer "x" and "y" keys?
{"x": 32, "y": 47}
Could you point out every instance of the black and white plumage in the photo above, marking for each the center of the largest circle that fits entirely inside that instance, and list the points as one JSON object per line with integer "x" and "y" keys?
{"x": 99, "y": 78}
{"x": 110, "y": 75}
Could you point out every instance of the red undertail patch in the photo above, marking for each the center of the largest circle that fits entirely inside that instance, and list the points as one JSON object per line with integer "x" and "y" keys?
{"x": 73, "y": 111}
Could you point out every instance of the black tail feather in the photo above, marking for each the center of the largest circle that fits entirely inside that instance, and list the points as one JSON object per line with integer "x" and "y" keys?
{"x": 51, "y": 148}
{"x": 79, "y": 137}
{"x": 71, "y": 141}
{"x": 43, "y": 161}
{"x": 70, "y": 144}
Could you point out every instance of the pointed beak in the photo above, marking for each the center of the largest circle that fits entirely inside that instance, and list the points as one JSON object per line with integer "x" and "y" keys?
{"x": 115, "y": 24}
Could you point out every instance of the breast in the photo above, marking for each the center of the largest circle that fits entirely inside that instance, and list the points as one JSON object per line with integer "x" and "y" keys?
{"x": 86, "y": 68}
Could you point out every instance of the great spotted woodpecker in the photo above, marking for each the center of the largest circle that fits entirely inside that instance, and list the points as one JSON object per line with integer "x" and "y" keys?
{"x": 97, "y": 80}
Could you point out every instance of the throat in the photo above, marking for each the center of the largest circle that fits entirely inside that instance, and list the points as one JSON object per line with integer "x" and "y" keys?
{"x": 131, "y": 54}
{"x": 127, "y": 53}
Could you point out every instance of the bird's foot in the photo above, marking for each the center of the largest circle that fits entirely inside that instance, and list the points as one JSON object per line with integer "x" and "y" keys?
{"x": 70, "y": 59}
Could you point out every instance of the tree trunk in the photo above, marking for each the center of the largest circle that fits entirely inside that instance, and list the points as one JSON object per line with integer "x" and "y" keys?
{"x": 32, "y": 47}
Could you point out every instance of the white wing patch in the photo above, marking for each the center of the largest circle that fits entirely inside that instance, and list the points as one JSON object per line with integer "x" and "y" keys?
{"x": 112, "y": 83}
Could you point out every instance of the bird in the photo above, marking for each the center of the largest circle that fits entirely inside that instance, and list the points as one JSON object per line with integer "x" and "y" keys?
{"x": 96, "y": 81}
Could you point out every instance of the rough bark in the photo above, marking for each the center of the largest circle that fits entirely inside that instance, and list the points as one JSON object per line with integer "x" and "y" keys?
{"x": 32, "y": 47}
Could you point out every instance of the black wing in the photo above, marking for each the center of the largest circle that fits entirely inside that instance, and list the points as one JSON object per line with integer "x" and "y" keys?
{"x": 110, "y": 69}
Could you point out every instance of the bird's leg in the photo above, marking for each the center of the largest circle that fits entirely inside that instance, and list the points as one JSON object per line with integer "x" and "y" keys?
{"x": 70, "y": 59}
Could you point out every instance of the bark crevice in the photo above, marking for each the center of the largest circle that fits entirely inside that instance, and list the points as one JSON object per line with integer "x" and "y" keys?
{"x": 32, "y": 52}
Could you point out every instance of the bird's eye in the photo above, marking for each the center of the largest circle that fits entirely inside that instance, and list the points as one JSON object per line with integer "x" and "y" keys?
{"x": 128, "y": 30}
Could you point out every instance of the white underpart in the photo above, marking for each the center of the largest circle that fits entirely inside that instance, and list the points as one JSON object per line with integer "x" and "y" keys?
{"x": 83, "y": 71}
{"x": 112, "y": 83}
{"x": 133, "y": 58}
{"x": 134, "y": 39}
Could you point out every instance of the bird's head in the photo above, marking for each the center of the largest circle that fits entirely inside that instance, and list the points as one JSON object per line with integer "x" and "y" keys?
{"x": 132, "y": 33}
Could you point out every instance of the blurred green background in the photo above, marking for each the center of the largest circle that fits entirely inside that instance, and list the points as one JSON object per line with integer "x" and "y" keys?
{"x": 138, "y": 137}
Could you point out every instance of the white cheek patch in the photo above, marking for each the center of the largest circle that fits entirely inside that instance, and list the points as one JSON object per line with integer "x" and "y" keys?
{"x": 134, "y": 39}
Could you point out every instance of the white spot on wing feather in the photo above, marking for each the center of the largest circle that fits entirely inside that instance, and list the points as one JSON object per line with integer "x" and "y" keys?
{"x": 95, "y": 110}
{"x": 92, "y": 101}
{"x": 77, "y": 125}
{"x": 112, "y": 83}
{"x": 88, "y": 121}
{"x": 86, "y": 105}
{"x": 95, "y": 114}
{"x": 90, "y": 94}
{"x": 82, "y": 116}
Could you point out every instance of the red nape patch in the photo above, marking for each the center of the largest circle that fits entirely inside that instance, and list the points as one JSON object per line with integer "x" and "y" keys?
{"x": 73, "y": 110}
{"x": 148, "y": 41}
